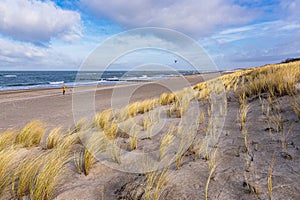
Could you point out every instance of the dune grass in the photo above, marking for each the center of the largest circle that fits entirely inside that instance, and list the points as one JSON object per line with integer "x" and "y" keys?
{"x": 212, "y": 167}
{"x": 49, "y": 177}
{"x": 142, "y": 107}
{"x": 244, "y": 108}
{"x": 270, "y": 178}
{"x": 7, "y": 139}
{"x": 165, "y": 141}
{"x": 37, "y": 172}
{"x": 155, "y": 181}
{"x": 31, "y": 134}
{"x": 95, "y": 142}
{"x": 89, "y": 159}
{"x": 111, "y": 129}
{"x": 8, "y": 163}
{"x": 101, "y": 120}
{"x": 167, "y": 98}
{"x": 54, "y": 138}
{"x": 133, "y": 138}
{"x": 25, "y": 176}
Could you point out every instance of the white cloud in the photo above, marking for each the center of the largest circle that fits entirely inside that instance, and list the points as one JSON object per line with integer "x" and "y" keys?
{"x": 20, "y": 50}
{"x": 38, "y": 21}
{"x": 276, "y": 29}
{"x": 19, "y": 53}
{"x": 290, "y": 27}
{"x": 23, "y": 56}
{"x": 193, "y": 17}
{"x": 254, "y": 45}
{"x": 236, "y": 30}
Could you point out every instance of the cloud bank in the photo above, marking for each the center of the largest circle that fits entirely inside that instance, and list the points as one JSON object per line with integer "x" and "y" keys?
{"x": 193, "y": 17}
{"x": 38, "y": 21}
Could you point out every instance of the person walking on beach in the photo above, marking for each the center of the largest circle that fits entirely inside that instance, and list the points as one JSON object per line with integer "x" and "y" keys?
{"x": 63, "y": 88}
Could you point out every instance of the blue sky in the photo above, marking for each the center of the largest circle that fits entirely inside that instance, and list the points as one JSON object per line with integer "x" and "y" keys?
{"x": 60, "y": 35}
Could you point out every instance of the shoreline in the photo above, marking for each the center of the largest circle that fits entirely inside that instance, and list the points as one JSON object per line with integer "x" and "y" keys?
{"x": 55, "y": 109}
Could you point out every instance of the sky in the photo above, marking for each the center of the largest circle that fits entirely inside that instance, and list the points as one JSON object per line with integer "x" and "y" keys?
{"x": 63, "y": 34}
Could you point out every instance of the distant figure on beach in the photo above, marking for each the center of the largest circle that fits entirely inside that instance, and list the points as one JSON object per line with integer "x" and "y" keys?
{"x": 63, "y": 88}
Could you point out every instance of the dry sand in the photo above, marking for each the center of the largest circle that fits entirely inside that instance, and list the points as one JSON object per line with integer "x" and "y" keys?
{"x": 235, "y": 168}
{"x": 53, "y": 108}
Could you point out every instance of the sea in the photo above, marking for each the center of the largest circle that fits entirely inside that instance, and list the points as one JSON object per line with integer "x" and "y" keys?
{"x": 28, "y": 80}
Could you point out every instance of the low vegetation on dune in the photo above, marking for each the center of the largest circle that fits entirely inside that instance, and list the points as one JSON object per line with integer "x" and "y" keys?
{"x": 231, "y": 137}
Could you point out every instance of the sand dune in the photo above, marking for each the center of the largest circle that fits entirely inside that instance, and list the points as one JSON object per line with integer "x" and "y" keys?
{"x": 233, "y": 137}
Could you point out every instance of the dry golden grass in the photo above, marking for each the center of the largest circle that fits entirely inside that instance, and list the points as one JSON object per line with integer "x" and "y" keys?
{"x": 133, "y": 138}
{"x": 111, "y": 129}
{"x": 186, "y": 136}
{"x": 275, "y": 118}
{"x": 270, "y": 182}
{"x": 88, "y": 160}
{"x": 7, "y": 139}
{"x": 8, "y": 163}
{"x": 251, "y": 187}
{"x": 202, "y": 118}
{"x": 134, "y": 109}
{"x": 166, "y": 98}
{"x": 115, "y": 151}
{"x": 78, "y": 161}
{"x": 37, "y": 174}
{"x": 212, "y": 166}
{"x": 171, "y": 110}
{"x": 54, "y": 137}
{"x": 95, "y": 142}
{"x": 200, "y": 86}
{"x": 197, "y": 148}
{"x": 155, "y": 180}
{"x": 49, "y": 177}
{"x": 121, "y": 114}
{"x": 31, "y": 134}
{"x": 150, "y": 104}
{"x": 101, "y": 120}
{"x": 25, "y": 176}
{"x": 82, "y": 125}
{"x": 67, "y": 142}
{"x": 142, "y": 107}
{"x": 147, "y": 122}
{"x": 180, "y": 154}
{"x": 277, "y": 79}
{"x": 244, "y": 108}
{"x": 165, "y": 141}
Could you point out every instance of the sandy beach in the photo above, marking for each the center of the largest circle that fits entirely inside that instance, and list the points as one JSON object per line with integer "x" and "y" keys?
{"x": 199, "y": 143}
{"x": 53, "y": 108}
{"x": 149, "y": 100}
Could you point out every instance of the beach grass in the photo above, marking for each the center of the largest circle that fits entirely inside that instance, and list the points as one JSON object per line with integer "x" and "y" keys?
{"x": 31, "y": 134}
{"x": 8, "y": 164}
{"x": 7, "y": 138}
{"x": 54, "y": 137}
{"x": 29, "y": 170}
